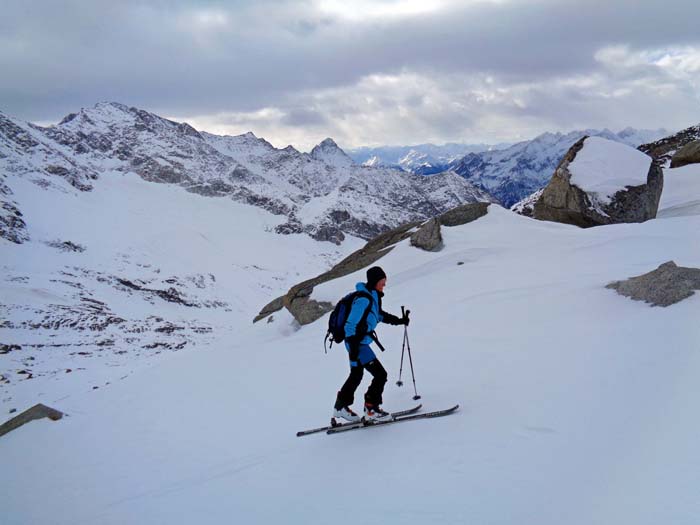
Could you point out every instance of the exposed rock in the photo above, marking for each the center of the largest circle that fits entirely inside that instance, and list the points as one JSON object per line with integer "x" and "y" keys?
{"x": 688, "y": 154}
{"x": 328, "y": 233}
{"x": 526, "y": 206}
{"x": 36, "y": 412}
{"x": 12, "y": 225}
{"x": 562, "y": 201}
{"x": 6, "y": 349}
{"x": 666, "y": 285}
{"x": 464, "y": 214}
{"x": 663, "y": 149}
{"x": 270, "y": 308}
{"x": 428, "y": 236}
{"x": 66, "y": 246}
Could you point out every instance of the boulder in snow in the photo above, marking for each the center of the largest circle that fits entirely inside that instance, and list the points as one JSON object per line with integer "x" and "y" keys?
{"x": 36, "y": 412}
{"x": 601, "y": 182}
{"x": 464, "y": 214}
{"x": 666, "y": 285}
{"x": 688, "y": 154}
{"x": 428, "y": 236}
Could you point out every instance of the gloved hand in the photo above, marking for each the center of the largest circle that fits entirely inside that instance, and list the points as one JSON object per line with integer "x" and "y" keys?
{"x": 405, "y": 320}
{"x": 354, "y": 344}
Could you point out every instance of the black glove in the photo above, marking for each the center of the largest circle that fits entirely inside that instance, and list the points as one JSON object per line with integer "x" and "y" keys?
{"x": 405, "y": 320}
{"x": 390, "y": 318}
{"x": 354, "y": 344}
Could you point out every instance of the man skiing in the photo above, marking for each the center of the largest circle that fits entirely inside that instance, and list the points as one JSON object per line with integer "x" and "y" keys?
{"x": 365, "y": 314}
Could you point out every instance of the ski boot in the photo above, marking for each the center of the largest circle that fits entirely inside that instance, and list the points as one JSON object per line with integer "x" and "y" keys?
{"x": 345, "y": 413}
{"x": 375, "y": 413}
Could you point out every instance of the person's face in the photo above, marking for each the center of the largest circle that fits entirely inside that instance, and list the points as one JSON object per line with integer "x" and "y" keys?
{"x": 380, "y": 285}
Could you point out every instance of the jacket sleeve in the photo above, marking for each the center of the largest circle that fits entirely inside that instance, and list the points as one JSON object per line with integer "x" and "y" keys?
{"x": 358, "y": 308}
{"x": 388, "y": 318}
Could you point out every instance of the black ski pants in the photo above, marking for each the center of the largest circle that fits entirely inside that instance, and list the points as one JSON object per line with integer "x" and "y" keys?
{"x": 346, "y": 395}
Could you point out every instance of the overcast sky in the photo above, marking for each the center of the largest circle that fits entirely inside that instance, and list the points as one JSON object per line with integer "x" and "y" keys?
{"x": 363, "y": 72}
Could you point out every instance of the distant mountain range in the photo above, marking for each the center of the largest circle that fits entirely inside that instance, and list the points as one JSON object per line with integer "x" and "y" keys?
{"x": 421, "y": 159}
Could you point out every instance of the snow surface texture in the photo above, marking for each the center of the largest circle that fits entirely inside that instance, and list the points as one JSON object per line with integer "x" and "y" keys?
{"x": 604, "y": 167}
{"x": 578, "y": 406}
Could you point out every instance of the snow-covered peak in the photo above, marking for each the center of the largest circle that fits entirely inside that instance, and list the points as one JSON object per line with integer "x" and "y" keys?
{"x": 605, "y": 167}
{"x": 373, "y": 162}
{"x": 329, "y": 152}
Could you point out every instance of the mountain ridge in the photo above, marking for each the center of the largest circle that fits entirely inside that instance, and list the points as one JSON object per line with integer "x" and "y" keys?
{"x": 341, "y": 197}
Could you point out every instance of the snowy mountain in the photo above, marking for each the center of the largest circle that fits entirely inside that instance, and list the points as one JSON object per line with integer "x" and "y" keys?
{"x": 322, "y": 194}
{"x": 422, "y": 159}
{"x": 329, "y": 152}
{"x": 579, "y": 408}
{"x": 513, "y": 173}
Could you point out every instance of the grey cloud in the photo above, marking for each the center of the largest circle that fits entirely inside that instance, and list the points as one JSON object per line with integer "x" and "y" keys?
{"x": 304, "y": 117}
{"x": 193, "y": 58}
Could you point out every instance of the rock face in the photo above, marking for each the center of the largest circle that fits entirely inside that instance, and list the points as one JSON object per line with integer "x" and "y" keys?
{"x": 688, "y": 154}
{"x": 563, "y": 201}
{"x": 428, "y": 236}
{"x": 664, "y": 149}
{"x": 306, "y": 310}
{"x": 666, "y": 285}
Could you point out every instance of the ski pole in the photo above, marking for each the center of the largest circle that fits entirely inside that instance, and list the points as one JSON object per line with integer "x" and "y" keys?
{"x": 403, "y": 348}
{"x": 410, "y": 360}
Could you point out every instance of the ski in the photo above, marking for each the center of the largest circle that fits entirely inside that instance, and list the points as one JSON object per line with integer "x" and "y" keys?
{"x": 396, "y": 419}
{"x": 342, "y": 425}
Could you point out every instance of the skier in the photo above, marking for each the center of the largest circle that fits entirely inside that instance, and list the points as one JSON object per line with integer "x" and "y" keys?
{"x": 359, "y": 334}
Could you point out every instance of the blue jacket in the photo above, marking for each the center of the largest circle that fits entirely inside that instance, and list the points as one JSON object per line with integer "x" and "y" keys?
{"x": 374, "y": 316}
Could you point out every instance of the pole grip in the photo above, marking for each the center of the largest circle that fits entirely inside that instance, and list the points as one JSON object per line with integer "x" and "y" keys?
{"x": 403, "y": 313}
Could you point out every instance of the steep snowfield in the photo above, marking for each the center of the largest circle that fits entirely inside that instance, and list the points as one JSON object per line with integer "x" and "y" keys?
{"x": 578, "y": 406}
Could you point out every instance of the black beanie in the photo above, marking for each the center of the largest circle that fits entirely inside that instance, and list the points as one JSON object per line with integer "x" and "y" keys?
{"x": 374, "y": 275}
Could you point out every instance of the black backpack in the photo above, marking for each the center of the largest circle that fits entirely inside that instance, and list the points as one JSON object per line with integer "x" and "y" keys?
{"x": 339, "y": 315}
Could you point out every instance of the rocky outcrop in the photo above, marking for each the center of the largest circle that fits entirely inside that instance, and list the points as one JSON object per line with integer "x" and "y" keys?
{"x": 688, "y": 154}
{"x": 527, "y": 205}
{"x": 563, "y": 201}
{"x": 664, "y": 149}
{"x": 36, "y": 412}
{"x": 464, "y": 214}
{"x": 667, "y": 285}
{"x": 306, "y": 310}
{"x": 12, "y": 225}
{"x": 428, "y": 236}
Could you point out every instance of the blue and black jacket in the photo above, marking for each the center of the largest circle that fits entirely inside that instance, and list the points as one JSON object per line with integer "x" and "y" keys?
{"x": 375, "y": 315}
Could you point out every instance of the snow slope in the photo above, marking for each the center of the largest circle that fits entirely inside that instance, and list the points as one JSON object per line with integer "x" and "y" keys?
{"x": 77, "y": 316}
{"x": 578, "y": 406}
{"x": 681, "y": 194}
